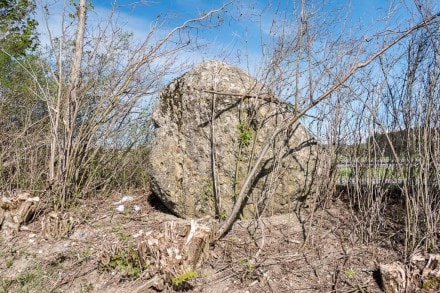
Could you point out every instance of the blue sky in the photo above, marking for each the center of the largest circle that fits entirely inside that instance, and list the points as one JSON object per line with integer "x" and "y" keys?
{"x": 245, "y": 36}
{"x": 241, "y": 35}
{"x": 238, "y": 38}
{"x": 245, "y": 32}
{"x": 236, "y": 35}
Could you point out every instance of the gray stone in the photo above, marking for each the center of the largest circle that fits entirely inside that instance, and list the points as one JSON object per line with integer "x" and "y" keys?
{"x": 246, "y": 114}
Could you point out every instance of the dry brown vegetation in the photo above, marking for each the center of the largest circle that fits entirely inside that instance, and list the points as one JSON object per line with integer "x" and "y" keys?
{"x": 104, "y": 251}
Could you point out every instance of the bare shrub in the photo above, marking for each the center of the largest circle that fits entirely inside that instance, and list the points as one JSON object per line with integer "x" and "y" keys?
{"x": 312, "y": 66}
{"x": 393, "y": 184}
{"x": 96, "y": 94}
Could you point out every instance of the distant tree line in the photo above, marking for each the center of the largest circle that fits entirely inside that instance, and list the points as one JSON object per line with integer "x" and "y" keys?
{"x": 403, "y": 143}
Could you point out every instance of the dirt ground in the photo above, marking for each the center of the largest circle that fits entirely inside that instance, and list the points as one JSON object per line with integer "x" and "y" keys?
{"x": 297, "y": 252}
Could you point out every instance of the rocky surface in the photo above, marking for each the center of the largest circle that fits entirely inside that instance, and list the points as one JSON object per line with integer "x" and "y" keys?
{"x": 218, "y": 116}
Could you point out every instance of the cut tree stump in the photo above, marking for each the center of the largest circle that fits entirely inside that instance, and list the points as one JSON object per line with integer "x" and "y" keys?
{"x": 16, "y": 210}
{"x": 421, "y": 274}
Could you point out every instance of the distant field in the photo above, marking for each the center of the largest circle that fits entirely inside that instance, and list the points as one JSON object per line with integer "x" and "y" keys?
{"x": 379, "y": 172}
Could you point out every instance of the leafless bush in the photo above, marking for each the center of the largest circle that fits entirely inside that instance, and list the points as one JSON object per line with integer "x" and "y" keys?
{"x": 393, "y": 182}
{"x": 96, "y": 94}
{"x": 318, "y": 71}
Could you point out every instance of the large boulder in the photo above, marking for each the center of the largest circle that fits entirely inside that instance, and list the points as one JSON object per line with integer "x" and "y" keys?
{"x": 216, "y": 115}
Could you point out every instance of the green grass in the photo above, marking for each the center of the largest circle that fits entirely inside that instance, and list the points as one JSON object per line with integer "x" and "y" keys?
{"x": 184, "y": 278}
{"x": 32, "y": 279}
{"x": 368, "y": 173}
{"x": 344, "y": 173}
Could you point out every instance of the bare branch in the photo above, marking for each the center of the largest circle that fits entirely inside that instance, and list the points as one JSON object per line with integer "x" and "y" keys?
{"x": 293, "y": 119}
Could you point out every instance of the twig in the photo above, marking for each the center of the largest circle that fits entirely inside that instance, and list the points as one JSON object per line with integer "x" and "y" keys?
{"x": 217, "y": 204}
{"x": 263, "y": 239}
{"x": 265, "y": 97}
{"x": 70, "y": 280}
